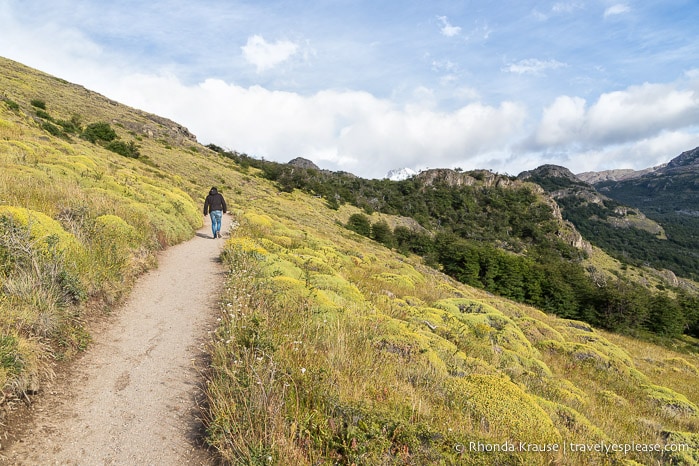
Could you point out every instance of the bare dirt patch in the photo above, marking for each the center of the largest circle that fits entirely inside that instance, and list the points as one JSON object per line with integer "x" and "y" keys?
{"x": 133, "y": 397}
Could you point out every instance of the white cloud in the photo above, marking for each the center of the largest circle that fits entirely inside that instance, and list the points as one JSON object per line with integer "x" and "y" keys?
{"x": 265, "y": 55}
{"x": 533, "y": 66}
{"x": 36, "y": 51}
{"x": 566, "y": 7}
{"x": 447, "y": 29}
{"x": 481, "y": 32}
{"x": 340, "y": 130}
{"x": 560, "y": 8}
{"x": 637, "y": 113}
{"x": 643, "y": 153}
{"x": 642, "y": 110}
{"x": 618, "y": 9}
{"x": 444, "y": 65}
{"x": 466, "y": 93}
{"x": 561, "y": 120}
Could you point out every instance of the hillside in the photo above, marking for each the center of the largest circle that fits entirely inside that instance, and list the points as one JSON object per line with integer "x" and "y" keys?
{"x": 580, "y": 202}
{"x": 331, "y": 348}
{"x": 623, "y": 231}
{"x": 509, "y": 236}
{"x": 668, "y": 195}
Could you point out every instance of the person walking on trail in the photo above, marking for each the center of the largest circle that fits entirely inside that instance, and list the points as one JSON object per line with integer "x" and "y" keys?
{"x": 215, "y": 206}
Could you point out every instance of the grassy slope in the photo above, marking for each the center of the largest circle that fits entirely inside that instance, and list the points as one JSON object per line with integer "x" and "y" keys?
{"x": 330, "y": 348}
{"x": 335, "y": 349}
{"x": 80, "y": 222}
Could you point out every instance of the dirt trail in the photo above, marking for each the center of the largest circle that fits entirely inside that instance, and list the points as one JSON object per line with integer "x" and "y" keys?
{"x": 131, "y": 399}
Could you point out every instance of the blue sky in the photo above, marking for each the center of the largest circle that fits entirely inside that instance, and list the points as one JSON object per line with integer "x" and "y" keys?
{"x": 367, "y": 86}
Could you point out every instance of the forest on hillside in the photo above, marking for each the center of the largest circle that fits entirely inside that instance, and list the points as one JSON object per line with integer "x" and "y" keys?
{"x": 501, "y": 238}
{"x": 676, "y": 251}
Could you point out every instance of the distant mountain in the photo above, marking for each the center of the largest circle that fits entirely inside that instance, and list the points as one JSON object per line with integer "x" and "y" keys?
{"x": 672, "y": 190}
{"x": 580, "y": 199}
{"x": 400, "y": 174}
{"x": 616, "y": 175}
{"x": 670, "y": 196}
{"x": 622, "y": 231}
{"x": 686, "y": 161}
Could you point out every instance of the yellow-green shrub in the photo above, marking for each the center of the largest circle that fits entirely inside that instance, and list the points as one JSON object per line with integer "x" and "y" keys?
{"x": 669, "y": 401}
{"x": 535, "y": 330}
{"x": 44, "y": 230}
{"x": 115, "y": 230}
{"x": 501, "y": 409}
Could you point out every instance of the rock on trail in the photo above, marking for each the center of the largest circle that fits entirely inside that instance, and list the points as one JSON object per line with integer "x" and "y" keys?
{"x": 131, "y": 399}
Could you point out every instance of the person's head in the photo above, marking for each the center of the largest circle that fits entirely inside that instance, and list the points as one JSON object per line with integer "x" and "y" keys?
{"x": 213, "y": 190}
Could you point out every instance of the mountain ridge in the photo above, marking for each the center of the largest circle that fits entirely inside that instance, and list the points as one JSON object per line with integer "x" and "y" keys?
{"x": 616, "y": 174}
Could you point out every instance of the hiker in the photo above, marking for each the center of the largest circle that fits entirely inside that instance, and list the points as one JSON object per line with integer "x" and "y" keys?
{"x": 215, "y": 206}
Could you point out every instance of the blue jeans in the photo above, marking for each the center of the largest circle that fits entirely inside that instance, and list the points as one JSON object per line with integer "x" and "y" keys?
{"x": 216, "y": 216}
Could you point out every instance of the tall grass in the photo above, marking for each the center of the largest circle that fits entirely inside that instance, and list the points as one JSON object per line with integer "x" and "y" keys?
{"x": 77, "y": 224}
{"x": 332, "y": 350}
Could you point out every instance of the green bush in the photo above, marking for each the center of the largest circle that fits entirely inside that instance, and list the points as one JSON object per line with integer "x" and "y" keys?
{"x": 71, "y": 126}
{"x": 12, "y": 105}
{"x": 52, "y": 129}
{"x": 359, "y": 223}
{"x": 43, "y": 114}
{"x": 381, "y": 233}
{"x": 95, "y": 132}
{"x": 127, "y": 149}
{"x": 38, "y": 103}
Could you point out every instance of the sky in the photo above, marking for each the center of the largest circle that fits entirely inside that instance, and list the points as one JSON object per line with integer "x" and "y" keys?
{"x": 369, "y": 86}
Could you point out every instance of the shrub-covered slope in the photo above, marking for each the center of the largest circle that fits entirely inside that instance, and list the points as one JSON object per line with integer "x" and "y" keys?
{"x": 331, "y": 348}
{"x": 79, "y": 219}
{"x": 508, "y": 237}
{"x": 625, "y": 231}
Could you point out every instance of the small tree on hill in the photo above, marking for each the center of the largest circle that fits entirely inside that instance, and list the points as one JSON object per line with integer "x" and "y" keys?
{"x": 381, "y": 233}
{"x": 359, "y": 223}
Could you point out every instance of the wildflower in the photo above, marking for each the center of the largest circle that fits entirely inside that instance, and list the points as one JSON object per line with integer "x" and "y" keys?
{"x": 303, "y": 370}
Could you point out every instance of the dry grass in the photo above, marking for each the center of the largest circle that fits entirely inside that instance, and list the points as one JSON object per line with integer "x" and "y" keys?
{"x": 359, "y": 355}
{"x": 78, "y": 222}
{"x": 330, "y": 348}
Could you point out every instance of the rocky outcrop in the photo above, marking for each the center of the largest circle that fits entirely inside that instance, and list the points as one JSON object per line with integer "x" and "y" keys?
{"x": 549, "y": 171}
{"x": 571, "y": 236}
{"x": 457, "y": 179}
{"x": 616, "y": 175}
{"x": 303, "y": 163}
{"x": 159, "y": 127}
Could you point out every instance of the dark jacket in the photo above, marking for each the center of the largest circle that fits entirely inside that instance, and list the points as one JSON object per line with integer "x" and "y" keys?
{"x": 214, "y": 201}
